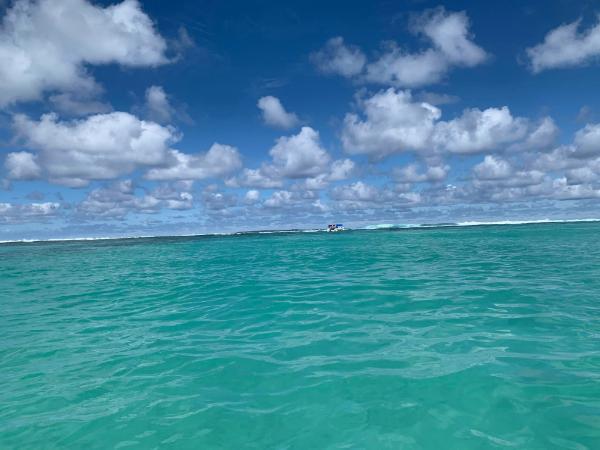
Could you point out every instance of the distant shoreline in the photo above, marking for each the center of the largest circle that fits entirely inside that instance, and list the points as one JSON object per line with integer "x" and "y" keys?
{"x": 378, "y": 227}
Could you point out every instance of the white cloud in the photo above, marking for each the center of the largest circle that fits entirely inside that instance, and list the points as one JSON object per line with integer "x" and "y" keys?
{"x": 581, "y": 158}
{"x": 175, "y": 195}
{"x": 449, "y": 33}
{"x": 121, "y": 198}
{"x": 46, "y": 45}
{"x": 451, "y": 46}
{"x": 158, "y": 108}
{"x": 587, "y": 141}
{"x": 412, "y": 174}
{"x": 476, "y": 130}
{"x": 562, "y": 190}
{"x": 270, "y": 176}
{"x": 566, "y": 46}
{"x": 33, "y": 212}
{"x": 576, "y": 164}
{"x": 360, "y": 196}
{"x": 540, "y": 137}
{"x": 581, "y": 175}
{"x": 313, "y": 184}
{"x": 299, "y": 202}
{"x": 279, "y": 199}
{"x": 341, "y": 169}
{"x": 218, "y": 161}
{"x": 252, "y": 196}
{"x": 262, "y": 178}
{"x": 274, "y": 114}
{"x": 559, "y": 158}
{"x": 493, "y": 168}
{"x": 392, "y": 123}
{"x": 185, "y": 201}
{"x": 103, "y": 146}
{"x": 358, "y": 191}
{"x": 300, "y": 155}
{"x": 398, "y": 68}
{"x": 116, "y": 201}
{"x": 22, "y": 166}
{"x": 337, "y": 58}
{"x": 214, "y": 200}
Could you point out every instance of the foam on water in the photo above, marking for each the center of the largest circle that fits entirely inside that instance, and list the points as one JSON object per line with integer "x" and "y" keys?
{"x": 388, "y": 226}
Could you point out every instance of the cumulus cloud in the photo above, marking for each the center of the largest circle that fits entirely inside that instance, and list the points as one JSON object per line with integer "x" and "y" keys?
{"x": 107, "y": 146}
{"x": 356, "y": 191}
{"x": 476, "y": 130}
{"x": 535, "y": 187}
{"x": 275, "y": 115}
{"x": 449, "y": 33}
{"x": 116, "y": 201}
{"x": 338, "y": 58}
{"x": 579, "y": 161}
{"x": 298, "y": 201}
{"x": 22, "y": 166}
{"x": 581, "y": 175}
{"x": 13, "y": 213}
{"x": 451, "y": 46}
{"x": 398, "y": 68}
{"x": 262, "y": 178}
{"x": 360, "y": 196}
{"x": 46, "y": 45}
{"x": 100, "y": 147}
{"x": 392, "y": 122}
{"x": 300, "y": 155}
{"x": 541, "y": 137}
{"x": 175, "y": 195}
{"x": 215, "y": 200}
{"x": 493, "y": 168}
{"x": 296, "y": 157}
{"x": 412, "y": 174}
{"x": 587, "y": 141}
{"x": 279, "y": 199}
{"x": 218, "y": 161}
{"x": 560, "y": 158}
{"x": 252, "y": 196}
{"x": 566, "y": 46}
{"x": 120, "y": 198}
{"x": 562, "y": 190}
{"x": 565, "y": 173}
{"x": 341, "y": 169}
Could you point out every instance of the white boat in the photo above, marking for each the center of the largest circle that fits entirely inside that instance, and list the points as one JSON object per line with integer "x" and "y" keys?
{"x": 335, "y": 227}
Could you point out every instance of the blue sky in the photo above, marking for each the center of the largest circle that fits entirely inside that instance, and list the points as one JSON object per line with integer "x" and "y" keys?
{"x": 143, "y": 118}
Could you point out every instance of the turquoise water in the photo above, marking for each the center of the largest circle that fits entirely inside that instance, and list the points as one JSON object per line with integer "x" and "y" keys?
{"x": 447, "y": 338}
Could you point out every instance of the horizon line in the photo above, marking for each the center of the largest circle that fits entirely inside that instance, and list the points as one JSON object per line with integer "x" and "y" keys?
{"x": 376, "y": 227}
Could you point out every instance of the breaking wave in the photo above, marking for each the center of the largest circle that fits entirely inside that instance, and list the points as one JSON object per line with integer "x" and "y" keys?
{"x": 391, "y": 226}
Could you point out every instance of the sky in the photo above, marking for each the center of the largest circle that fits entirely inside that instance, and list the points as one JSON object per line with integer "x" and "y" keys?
{"x": 139, "y": 118}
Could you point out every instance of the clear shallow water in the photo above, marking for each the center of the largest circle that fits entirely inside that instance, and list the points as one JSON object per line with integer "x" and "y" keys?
{"x": 470, "y": 338}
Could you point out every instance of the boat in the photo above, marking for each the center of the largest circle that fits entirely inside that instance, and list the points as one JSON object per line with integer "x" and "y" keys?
{"x": 335, "y": 227}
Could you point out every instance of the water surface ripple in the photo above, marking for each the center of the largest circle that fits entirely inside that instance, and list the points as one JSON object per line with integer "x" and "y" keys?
{"x": 469, "y": 338}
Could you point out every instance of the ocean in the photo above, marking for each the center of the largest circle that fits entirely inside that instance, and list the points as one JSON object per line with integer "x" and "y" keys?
{"x": 432, "y": 338}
